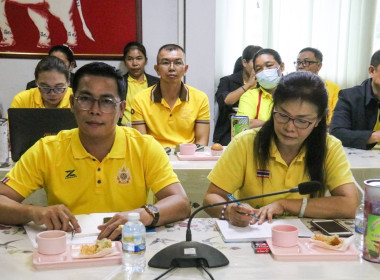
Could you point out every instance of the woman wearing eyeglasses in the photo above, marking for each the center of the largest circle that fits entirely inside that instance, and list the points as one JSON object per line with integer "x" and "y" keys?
{"x": 52, "y": 91}
{"x": 291, "y": 147}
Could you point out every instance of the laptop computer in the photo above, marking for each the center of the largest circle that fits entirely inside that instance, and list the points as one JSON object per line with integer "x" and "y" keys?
{"x": 28, "y": 125}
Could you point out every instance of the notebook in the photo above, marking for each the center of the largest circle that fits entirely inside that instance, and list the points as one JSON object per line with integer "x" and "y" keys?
{"x": 28, "y": 125}
{"x": 257, "y": 232}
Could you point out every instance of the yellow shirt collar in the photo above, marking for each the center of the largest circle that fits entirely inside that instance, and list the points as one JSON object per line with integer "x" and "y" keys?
{"x": 118, "y": 149}
{"x": 156, "y": 94}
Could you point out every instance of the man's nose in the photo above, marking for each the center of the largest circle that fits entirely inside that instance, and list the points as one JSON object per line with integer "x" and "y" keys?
{"x": 95, "y": 108}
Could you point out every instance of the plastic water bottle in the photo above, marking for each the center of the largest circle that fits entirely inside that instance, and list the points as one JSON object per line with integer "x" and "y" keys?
{"x": 359, "y": 226}
{"x": 133, "y": 241}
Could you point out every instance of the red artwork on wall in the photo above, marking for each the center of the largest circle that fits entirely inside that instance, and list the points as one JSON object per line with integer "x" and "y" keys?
{"x": 93, "y": 29}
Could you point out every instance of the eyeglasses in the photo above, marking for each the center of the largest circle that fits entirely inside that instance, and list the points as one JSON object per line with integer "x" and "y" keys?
{"x": 176, "y": 64}
{"x": 305, "y": 63}
{"x": 284, "y": 118}
{"x": 106, "y": 104}
{"x": 56, "y": 90}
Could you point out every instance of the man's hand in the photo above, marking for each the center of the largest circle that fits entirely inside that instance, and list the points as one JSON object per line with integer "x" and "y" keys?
{"x": 112, "y": 228}
{"x": 55, "y": 217}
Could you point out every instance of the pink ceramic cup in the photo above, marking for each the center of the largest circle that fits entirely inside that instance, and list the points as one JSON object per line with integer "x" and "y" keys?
{"x": 187, "y": 149}
{"x": 284, "y": 235}
{"x": 51, "y": 242}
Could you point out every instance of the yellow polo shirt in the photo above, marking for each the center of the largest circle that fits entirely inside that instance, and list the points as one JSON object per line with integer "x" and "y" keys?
{"x": 134, "y": 87}
{"x": 73, "y": 177}
{"x": 333, "y": 90}
{"x": 249, "y": 101}
{"x": 174, "y": 126}
{"x": 32, "y": 99}
{"x": 236, "y": 170}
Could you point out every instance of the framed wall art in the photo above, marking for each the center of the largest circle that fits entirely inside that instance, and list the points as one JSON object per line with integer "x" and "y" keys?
{"x": 92, "y": 29}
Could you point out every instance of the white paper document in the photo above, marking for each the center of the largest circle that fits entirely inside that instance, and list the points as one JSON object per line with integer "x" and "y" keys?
{"x": 257, "y": 232}
{"x": 88, "y": 223}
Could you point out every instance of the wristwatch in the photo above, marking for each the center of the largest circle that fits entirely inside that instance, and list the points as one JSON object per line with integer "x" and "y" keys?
{"x": 153, "y": 211}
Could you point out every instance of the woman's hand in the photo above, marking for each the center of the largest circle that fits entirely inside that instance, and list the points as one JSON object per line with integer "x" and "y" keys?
{"x": 240, "y": 215}
{"x": 268, "y": 211}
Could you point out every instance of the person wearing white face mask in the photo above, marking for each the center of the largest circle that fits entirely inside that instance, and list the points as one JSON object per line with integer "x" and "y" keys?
{"x": 257, "y": 103}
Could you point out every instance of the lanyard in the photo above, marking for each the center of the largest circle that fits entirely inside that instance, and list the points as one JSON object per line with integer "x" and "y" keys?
{"x": 258, "y": 105}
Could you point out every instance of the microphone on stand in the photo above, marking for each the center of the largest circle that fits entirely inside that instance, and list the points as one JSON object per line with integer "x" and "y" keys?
{"x": 194, "y": 254}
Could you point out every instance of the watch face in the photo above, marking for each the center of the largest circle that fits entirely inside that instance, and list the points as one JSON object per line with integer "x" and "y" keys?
{"x": 152, "y": 208}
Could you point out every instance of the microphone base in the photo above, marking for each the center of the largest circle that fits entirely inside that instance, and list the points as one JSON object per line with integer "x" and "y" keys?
{"x": 188, "y": 254}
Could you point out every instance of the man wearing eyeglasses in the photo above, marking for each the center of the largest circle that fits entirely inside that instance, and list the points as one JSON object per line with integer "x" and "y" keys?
{"x": 310, "y": 59}
{"x": 53, "y": 80}
{"x": 97, "y": 167}
{"x": 172, "y": 112}
{"x": 356, "y": 119}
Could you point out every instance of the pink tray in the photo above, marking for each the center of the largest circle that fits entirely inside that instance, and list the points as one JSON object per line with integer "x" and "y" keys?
{"x": 65, "y": 259}
{"x": 198, "y": 156}
{"x": 306, "y": 250}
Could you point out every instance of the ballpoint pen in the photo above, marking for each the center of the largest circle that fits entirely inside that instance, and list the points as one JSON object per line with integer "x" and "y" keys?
{"x": 232, "y": 198}
{"x": 73, "y": 233}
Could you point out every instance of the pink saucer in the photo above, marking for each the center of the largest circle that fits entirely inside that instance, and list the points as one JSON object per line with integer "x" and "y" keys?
{"x": 306, "y": 250}
{"x": 66, "y": 259}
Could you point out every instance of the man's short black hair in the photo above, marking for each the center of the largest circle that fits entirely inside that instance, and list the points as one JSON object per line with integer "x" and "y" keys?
{"x": 375, "y": 59}
{"x": 317, "y": 53}
{"x": 104, "y": 70}
{"x": 170, "y": 47}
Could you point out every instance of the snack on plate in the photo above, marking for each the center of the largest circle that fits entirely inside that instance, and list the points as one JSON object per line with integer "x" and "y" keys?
{"x": 216, "y": 149}
{"x": 332, "y": 242}
{"x": 100, "y": 249}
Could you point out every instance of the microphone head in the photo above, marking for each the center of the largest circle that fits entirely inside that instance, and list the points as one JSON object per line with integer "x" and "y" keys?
{"x": 309, "y": 187}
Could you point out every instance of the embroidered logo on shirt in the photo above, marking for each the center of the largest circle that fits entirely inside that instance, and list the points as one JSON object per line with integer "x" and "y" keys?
{"x": 70, "y": 174}
{"x": 263, "y": 173}
{"x": 124, "y": 176}
{"x": 5, "y": 180}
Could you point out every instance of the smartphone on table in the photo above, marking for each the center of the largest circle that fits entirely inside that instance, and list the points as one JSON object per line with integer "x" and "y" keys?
{"x": 331, "y": 227}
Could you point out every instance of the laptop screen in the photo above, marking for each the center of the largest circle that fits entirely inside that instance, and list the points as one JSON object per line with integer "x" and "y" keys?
{"x": 28, "y": 125}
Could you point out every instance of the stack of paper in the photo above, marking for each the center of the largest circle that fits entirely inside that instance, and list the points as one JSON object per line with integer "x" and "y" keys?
{"x": 257, "y": 232}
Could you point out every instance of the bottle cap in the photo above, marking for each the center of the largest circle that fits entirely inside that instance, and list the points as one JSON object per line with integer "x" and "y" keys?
{"x": 133, "y": 216}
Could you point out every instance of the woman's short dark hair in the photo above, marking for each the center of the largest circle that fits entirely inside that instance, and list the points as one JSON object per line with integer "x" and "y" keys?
{"x": 250, "y": 51}
{"x": 306, "y": 87}
{"x": 103, "y": 70}
{"x": 272, "y": 52}
{"x": 52, "y": 63}
{"x": 66, "y": 51}
{"x": 134, "y": 45}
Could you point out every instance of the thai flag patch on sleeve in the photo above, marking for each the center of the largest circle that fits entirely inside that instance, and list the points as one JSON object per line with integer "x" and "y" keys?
{"x": 5, "y": 180}
{"x": 263, "y": 173}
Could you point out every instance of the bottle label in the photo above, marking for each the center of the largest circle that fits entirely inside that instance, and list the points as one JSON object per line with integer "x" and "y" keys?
{"x": 134, "y": 244}
{"x": 371, "y": 250}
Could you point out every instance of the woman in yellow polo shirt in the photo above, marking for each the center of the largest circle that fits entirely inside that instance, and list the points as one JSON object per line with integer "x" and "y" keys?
{"x": 136, "y": 79}
{"x": 256, "y": 103}
{"x": 291, "y": 147}
{"x": 52, "y": 91}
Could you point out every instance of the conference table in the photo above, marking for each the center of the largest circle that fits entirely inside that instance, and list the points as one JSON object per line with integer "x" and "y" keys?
{"x": 16, "y": 259}
{"x": 365, "y": 164}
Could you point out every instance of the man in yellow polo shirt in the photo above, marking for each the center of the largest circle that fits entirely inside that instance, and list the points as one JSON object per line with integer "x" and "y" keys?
{"x": 310, "y": 59}
{"x": 98, "y": 167}
{"x": 172, "y": 112}
{"x": 52, "y": 91}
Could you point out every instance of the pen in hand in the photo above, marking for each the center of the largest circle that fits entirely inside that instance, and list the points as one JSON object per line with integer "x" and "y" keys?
{"x": 232, "y": 198}
{"x": 72, "y": 234}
